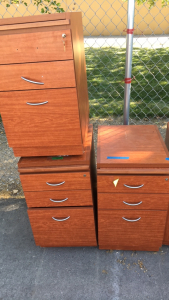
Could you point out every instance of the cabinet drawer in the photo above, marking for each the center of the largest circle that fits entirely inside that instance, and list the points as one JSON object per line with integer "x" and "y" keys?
{"x": 75, "y": 227}
{"x": 61, "y": 198}
{"x": 54, "y": 123}
{"x": 145, "y": 234}
{"x": 56, "y": 182}
{"x": 132, "y": 201}
{"x": 58, "y": 74}
{"x": 133, "y": 184}
{"x": 35, "y": 47}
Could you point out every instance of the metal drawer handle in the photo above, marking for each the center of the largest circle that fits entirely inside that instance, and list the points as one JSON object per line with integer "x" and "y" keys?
{"x": 36, "y": 82}
{"x": 55, "y": 184}
{"x": 58, "y": 201}
{"x": 134, "y": 187}
{"x": 37, "y": 103}
{"x": 60, "y": 220}
{"x": 131, "y": 220}
{"x": 132, "y": 204}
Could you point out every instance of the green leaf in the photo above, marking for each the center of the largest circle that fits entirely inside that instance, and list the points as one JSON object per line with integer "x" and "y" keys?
{"x": 7, "y": 5}
{"x": 42, "y": 10}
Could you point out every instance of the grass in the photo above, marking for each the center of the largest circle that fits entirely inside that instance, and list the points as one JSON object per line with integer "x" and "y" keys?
{"x": 149, "y": 92}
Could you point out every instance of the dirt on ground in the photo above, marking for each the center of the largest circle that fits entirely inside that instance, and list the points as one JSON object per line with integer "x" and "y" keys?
{"x": 10, "y": 186}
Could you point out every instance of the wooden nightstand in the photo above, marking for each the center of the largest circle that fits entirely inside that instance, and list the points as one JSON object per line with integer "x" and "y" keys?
{"x": 133, "y": 187}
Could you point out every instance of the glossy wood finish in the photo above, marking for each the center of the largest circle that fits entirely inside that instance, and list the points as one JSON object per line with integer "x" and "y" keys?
{"x": 167, "y": 137}
{"x": 145, "y": 234}
{"x": 58, "y": 74}
{"x": 141, "y": 143}
{"x": 141, "y": 179}
{"x": 57, "y": 150}
{"x": 134, "y": 171}
{"x": 121, "y": 201}
{"x": 35, "y": 47}
{"x": 74, "y": 198}
{"x": 151, "y": 184}
{"x": 35, "y": 25}
{"x": 78, "y": 230}
{"x": 61, "y": 72}
{"x": 36, "y": 18}
{"x": 80, "y": 70}
{"x": 52, "y": 124}
{"x": 72, "y": 181}
{"x": 71, "y": 163}
{"x": 166, "y": 232}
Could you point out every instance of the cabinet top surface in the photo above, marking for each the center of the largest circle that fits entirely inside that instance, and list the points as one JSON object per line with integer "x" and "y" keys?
{"x": 38, "y": 23}
{"x": 26, "y": 163}
{"x": 37, "y": 18}
{"x": 126, "y": 146}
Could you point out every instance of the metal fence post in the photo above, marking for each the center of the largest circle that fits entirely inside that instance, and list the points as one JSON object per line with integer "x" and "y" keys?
{"x": 129, "y": 50}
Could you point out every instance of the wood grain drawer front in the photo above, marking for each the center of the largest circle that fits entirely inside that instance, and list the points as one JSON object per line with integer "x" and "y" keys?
{"x": 133, "y": 201}
{"x": 133, "y": 184}
{"x": 70, "y": 227}
{"x": 59, "y": 199}
{"x": 56, "y": 181}
{"x": 45, "y": 75}
{"x": 35, "y": 47}
{"x": 145, "y": 234}
{"x": 55, "y": 122}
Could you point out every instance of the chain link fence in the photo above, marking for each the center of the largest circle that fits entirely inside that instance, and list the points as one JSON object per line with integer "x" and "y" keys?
{"x": 105, "y": 23}
{"x": 104, "y": 35}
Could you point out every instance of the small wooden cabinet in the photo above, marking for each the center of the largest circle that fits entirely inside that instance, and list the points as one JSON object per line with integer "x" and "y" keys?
{"x": 61, "y": 197}
{"x": 43, "y": 86}
{"x": 133, "y": 187}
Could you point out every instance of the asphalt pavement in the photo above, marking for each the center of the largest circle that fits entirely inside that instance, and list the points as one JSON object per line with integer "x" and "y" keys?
{"x": 28, "y": 272}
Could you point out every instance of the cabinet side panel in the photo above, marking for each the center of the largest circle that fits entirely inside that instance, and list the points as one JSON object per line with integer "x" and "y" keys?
{"x": 80, "y": 71}
{"x": 166, "y": 232}
{"x": 167, "y": 136}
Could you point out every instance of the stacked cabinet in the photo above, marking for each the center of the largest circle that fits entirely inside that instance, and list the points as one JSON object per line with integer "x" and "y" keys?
{"x": 133, "y": 187}
{"x": 45, "y": 112}
{"x": 61, "y": 193}
{"x": 166, "y": 235}
{"x": 43, "y": 87}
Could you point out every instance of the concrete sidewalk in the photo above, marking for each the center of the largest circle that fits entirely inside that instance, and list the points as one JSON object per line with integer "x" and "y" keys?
{"x": 28, "y": 272}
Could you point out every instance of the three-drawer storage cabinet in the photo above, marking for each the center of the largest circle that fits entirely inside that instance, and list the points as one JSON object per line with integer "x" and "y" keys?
{"x": 133, "y": 187}
{"x": 61, "y": 197}
{"x": 43, "y": 85}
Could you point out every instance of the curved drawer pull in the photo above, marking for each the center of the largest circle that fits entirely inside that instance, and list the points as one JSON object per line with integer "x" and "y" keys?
{"x": 132, "y": 204}
{"x": 134, "y": 187}
{"x": 36, "y": 82}
{"x": 60, "y": 220}
{"x": 55, "y": 184}
{"x": 37, "y": 103}
{"x": 58, "y": 201}
{"x": 131, "y": 220}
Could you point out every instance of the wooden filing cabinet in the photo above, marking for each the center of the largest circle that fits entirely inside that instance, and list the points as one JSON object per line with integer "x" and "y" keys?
{"x": 43, "y": 84}
{"x": 166, "y": 235}
{"x": 61, "y": 197}
{"x": 133, "y": 187}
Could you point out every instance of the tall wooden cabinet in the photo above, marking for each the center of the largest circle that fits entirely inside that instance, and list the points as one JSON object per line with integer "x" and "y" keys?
{"x": 43, "y": 84}
{"x": 45, "y": 112}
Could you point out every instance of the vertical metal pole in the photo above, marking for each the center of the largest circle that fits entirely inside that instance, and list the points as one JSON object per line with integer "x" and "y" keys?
{"x": 129, "y": 50}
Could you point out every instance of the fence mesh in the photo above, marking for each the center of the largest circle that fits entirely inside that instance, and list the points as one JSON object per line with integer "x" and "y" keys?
{"x": 105, "y": 23}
